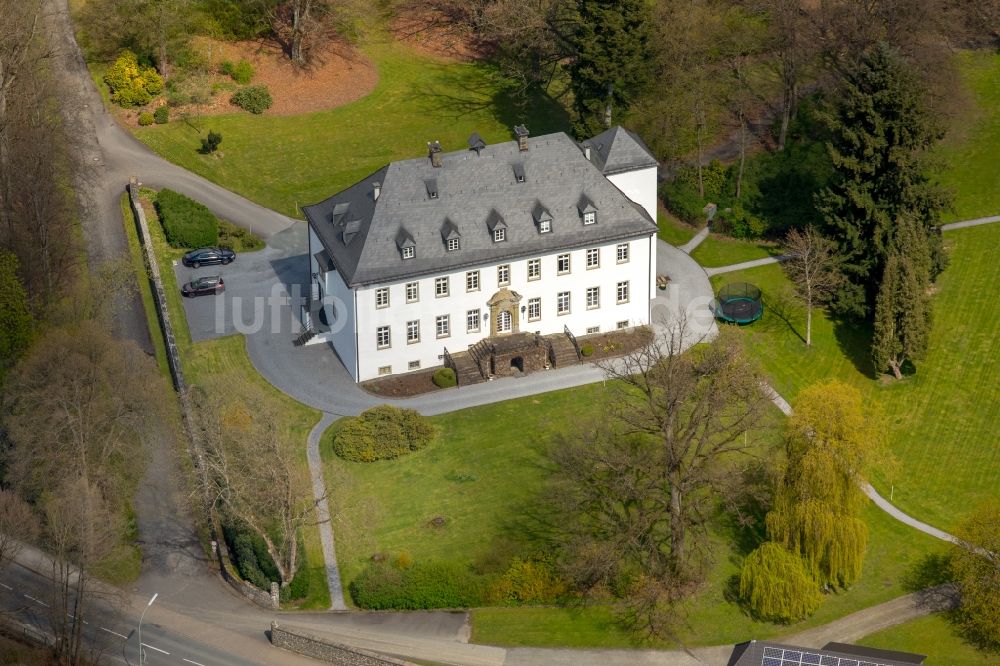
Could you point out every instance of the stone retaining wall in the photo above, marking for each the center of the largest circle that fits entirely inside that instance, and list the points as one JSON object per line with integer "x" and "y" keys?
{"x": 302, "y": 642}
{"x": 251, "y": 592}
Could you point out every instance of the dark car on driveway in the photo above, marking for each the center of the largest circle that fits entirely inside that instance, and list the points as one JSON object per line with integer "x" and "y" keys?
{"x": 205, "y": 284}
{"x": 207, "y": 256}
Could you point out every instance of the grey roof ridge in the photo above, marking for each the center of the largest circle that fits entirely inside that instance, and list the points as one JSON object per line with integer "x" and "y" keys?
{"x": 500, "y": 258}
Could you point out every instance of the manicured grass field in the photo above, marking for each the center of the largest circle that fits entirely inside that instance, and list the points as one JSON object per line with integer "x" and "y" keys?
{"x": 970, "y": 150}
{"x": 718, "y": 250}
{"x": 933, "y": 636}
{"x": 943, "y": 419}
{"x": 284, "y": 162}
{"x": 482, "y": 475}
{"x": 226, "y": 359}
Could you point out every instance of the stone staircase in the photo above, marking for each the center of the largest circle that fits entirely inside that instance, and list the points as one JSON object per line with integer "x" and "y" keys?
{"x": 563, "y": 351}
{"x": 466, "y": 370}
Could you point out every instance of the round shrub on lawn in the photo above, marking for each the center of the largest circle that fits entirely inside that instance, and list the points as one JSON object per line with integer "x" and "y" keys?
{"x": 444, "y": 378}
{"x": 145, "y": 118}
{"x": 587, "y": 349}
{"x": 382, "y": 433}
{"x": 162, "y": 115}
{"x": 255, "y": 99}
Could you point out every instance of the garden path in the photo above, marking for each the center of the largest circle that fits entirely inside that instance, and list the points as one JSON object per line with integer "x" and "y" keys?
{"x": 689, "y": 247}
{"x": 323, "y": 513}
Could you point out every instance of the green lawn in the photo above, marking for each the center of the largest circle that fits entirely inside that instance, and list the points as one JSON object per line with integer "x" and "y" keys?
{"x": 933, "y": 636}
{"x": 673, "y": 230}
{"x": 481, "y": 479}
{"x": 971, "y": 147}
{"x": 226, "y": 359}
{"x": 943, "y": 419}
{"x": 284, "y": 162}
{"x": 718, "y": 250}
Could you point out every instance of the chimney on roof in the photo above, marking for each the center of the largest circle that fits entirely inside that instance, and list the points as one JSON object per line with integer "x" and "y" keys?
{"x": 434, "y": 148}
{"x": 586, "y": 150}
{"x": 376, "y": 190}
{"x": 522, "y": 137}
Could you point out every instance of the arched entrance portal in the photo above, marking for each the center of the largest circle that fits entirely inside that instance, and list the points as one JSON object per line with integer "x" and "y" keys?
{"x": 517, "y": 362}
{"x": 504, "y": 321}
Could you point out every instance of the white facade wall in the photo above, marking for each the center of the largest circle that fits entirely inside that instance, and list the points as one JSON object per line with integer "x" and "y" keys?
{"x": 639, "y": 186}
{"x": 638, "y": 271}
{"x": 339, "y": 304}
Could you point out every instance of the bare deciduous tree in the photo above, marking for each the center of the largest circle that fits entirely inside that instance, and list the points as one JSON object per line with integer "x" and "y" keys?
{"x": 633, "y": 490}
{"x": 18, "y": 525}
{"x": 812, "y": 265}
{"x": 254, "y": 473}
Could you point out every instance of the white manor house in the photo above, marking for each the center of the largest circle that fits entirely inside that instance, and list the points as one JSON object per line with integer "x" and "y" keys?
{"x": 490, "y": 260}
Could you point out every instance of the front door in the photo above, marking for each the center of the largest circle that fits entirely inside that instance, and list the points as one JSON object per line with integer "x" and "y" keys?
{"x": 504, "y": 321}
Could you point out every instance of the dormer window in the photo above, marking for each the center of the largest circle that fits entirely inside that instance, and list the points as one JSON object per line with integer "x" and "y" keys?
{"x": 544, "y": 226}
{"x": 588, "y": 211}
{"x": 497, "y": 226}
{"x": 590, "y": 217}
{"x": 409, "y": 252}
{"x": 499, "y": 235}
{"x": 519, "y": 171}
{"x": 450, "y": 235}
{"x": 404, "y": 241}
{"x": 542, "y": 218}
{"x": 432, "y": 188}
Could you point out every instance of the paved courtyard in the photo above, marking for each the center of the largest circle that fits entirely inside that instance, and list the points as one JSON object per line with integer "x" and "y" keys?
{"x": 264, "y": 291}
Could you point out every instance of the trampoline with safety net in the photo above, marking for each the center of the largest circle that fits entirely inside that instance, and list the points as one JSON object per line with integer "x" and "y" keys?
{"x": 738, "y": 303}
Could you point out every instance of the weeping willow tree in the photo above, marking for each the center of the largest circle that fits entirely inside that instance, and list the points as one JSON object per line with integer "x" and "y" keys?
{"x": 834, "y": 440}
{"x": 776, "y": 586}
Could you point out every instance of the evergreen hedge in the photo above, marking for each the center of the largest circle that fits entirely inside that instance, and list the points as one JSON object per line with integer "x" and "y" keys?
{"x": 255, "y": 99}
{"x": 186, "y": 223}
{"x": 422, "y": 585}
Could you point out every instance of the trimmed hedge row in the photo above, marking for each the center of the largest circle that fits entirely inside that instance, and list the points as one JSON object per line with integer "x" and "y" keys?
{"x": 186, "y": 223}
{"x": 422, "y": 585}
{"x": 382, "y": 433}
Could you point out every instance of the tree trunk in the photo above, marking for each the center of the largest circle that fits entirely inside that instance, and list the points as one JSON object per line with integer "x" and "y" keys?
{"x": 300, "y": 16}
{"x": 743, "y": 154}
{"x": 701, "y": 182}
{"x": 809, "y": 320}
{"x": 676, "y": 529}
{"x": 895, "y": 366}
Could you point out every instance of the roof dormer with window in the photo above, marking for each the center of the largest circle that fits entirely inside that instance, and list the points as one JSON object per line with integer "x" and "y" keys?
{"x": 543, "y": 219}
{"x": 450, "y": 236}
{"x": 497, "y": 226}
{"x": 588, "y": 211}
{"x": 405, "y": 244}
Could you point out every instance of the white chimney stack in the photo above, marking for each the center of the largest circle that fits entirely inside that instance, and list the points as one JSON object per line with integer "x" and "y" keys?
{"x": 376, "y": 190}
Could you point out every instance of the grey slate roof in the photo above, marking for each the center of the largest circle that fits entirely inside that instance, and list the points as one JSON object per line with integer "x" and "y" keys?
{"x": 766, "y": 653}
{"x": 617, "y": 149}
{"x": 364, "y": 237}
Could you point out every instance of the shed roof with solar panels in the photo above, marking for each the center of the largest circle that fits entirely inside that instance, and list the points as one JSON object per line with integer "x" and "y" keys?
{"x": 765, "y": 653}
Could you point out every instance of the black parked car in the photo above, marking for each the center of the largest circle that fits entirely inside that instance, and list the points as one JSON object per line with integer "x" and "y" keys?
{"x": 208, "y": 255}
{"x": 205, "y": 284}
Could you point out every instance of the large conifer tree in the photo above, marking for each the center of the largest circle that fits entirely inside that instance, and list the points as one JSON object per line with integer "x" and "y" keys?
{"x": 611, "y": 59}
{"x": 881, "y": 130}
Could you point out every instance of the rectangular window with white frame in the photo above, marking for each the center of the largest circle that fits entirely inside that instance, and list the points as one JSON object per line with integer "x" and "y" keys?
{"x": 562, "y": 303}
{"x": 593, "y": 297}
{"x": 440, "y": 287}
{"x": 472, "y": 321}
{"x": 591, "y": 330}
{"x": 412, "y": 292}
{"x": 382, "y": 337}
{"x": 621, "y": 251}
{"x": 499, "y": 235}
{"x": 382, "y": 297}
{"x": 589, "y": 217}
{"x": 534, "y": 309}
{"x": 409, "y": 252}
{"x": 385, "y": 370}
{"x": 413, "y": 365}
{"x": 472, "y": 281}
{"x": 562, "y": 264}
{"x": 622, "y": 325}
{"x": 442, "y": 326}
{"x": 622, "y": 290}
{"x": 452, "y": 244}
{"x": 413, "y": 332}
{"x": 503, "y": 275}
{"x": 544, "y": 226}
{"x": 534, "y": 269}
{"x": 593, "y": 258}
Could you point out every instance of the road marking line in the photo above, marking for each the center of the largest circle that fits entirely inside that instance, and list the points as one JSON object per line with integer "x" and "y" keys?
{"x": 152, "y": 647}
{"x": 37, "y": 601}
{"x": 113, "y": 632}
{"x": 7, "y": 587}
{"x": 192, "y": 662}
